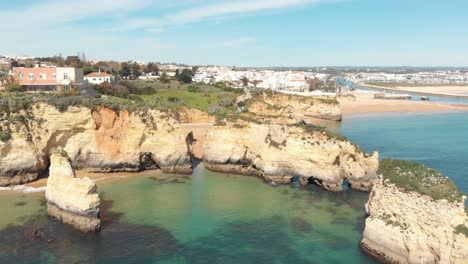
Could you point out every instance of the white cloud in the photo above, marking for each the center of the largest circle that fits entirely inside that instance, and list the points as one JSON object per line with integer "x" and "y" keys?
{"x": 210, "y": 10}
{"x": 238, "y": 42}
{"x": 52, "y": 12}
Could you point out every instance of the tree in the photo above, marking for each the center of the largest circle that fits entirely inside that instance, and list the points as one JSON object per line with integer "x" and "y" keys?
{"x": 185, "y": 76}
{"x": 11, "y": 83}
{"x": 152, "y": 68}
{"x": 125, "y": 71}
{"x": 314, "y": 84}
{"x": 164, "y": 78}
{"x": 136, "y": 69}
{"x": 14, "y": 64}
{"x": 245, "y": 81}
{"x": 74, "y": 61}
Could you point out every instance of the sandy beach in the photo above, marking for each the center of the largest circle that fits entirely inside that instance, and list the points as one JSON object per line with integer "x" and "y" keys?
{"x": 100, "y": 177}
{"x": 459, "y": 91}
{"x": 365, "y": 106}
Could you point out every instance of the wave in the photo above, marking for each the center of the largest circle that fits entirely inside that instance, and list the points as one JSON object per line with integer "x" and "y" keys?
{"x": 23, "y": 188}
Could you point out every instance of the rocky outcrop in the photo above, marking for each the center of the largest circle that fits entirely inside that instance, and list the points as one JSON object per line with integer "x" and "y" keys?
{"x": 98, "y": 140}
{"x": 294, "y": 107}
{"x": 409, "y": 227}
{"x": 278, "y": 153}
{"x": 71, "y": 200}
{"x": 192, "y": 115}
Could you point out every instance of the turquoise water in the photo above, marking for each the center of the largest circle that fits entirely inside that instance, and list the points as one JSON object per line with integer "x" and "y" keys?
{"x": 206, "y": 218}
{"x": 436, "y": 140}
{"x": 219, "y": 218}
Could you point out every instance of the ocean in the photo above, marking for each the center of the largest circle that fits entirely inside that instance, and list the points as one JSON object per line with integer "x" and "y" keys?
{"x": 221, "y": 218}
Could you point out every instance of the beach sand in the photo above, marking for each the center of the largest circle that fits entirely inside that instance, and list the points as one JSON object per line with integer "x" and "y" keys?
{"x": 101, "y": 177}
{"x": 449, "y": 90}
{"x": 364, "y": 106}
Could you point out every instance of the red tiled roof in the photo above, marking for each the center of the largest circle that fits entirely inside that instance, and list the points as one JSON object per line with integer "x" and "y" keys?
{"x": 98, "y": 74}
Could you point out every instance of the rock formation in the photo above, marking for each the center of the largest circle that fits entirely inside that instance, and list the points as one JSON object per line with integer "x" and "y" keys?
{"x": 71, "y": 200}
{"x": 98, "y": 140}
{"x": 294, "y": 107}
{"x": 416, "y": 227}
{"x": 278, "y": 153}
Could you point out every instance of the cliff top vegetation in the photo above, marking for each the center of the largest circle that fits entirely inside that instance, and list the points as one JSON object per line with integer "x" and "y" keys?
{"x": 257, "y": 94}
{"x": 415, "y": 177}
{"x": 132, "y": 96}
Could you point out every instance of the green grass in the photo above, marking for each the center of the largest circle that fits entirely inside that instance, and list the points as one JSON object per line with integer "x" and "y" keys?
{"x": 199, "y": 100}
{"x": 174, "y": 95}
{"x": 414, "y": 177}
{"x": 144, "y": 95}
{"x": 461, "y": 229}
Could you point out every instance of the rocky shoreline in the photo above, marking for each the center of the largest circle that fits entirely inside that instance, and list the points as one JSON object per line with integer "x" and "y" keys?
{"x": 96, "y": 140}
{"x": 279, "y": 153}
{"x": 410, "y": 226}
{"x": 405, "y": 225}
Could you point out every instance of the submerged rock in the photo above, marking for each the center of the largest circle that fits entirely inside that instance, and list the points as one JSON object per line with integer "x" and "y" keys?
{"x": 278, "y": 153}
{"x": 71, "y": 200}
{"x": 96, "y": 140}
{"x": 415, "y": 216}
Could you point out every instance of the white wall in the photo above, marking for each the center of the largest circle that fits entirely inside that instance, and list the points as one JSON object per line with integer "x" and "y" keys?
{"x": 98, "y": 79}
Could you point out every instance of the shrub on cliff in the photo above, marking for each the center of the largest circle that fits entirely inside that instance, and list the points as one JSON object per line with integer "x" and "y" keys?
{"x": 112, "y": 89}
{"x": 5, "y": 135}
{"x": 414, "y": 177}
{"x": 461, "y": 229}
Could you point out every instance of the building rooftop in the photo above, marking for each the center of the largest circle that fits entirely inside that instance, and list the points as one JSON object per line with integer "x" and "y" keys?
{"x": 98, "y": 74}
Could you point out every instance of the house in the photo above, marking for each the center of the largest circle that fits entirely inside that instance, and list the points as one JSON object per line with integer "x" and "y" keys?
{"x": 98, "y": 77}
{"x": 48, "y": 79}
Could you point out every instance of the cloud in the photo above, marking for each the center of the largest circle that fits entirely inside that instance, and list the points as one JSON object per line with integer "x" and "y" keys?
{"x": 211, "y": 10}
{"x": 238, "y": 42}
{"x": 59, "y": 14}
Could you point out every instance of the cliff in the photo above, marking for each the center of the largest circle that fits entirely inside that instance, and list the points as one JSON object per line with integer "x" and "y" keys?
{"x": 294, "y": 107}
{"x": 416, "y": 216}
{"x": 98, "y": 140}
{"x": 71, "y": 200}
{"x": 278, "y": 153}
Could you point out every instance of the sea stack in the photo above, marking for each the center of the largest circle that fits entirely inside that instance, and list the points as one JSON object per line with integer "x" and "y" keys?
{"x": 71, "y": 200}
{"x": 416, "y": 215}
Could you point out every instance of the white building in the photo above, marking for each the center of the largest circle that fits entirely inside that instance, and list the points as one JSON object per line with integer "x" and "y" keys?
{"x": 98, "y": 77}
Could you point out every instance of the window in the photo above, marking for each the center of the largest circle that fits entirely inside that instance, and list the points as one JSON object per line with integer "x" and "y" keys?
{"x": 94, "y": 79}
{"x": 65, "y": 76}
{"x": 54, "y": 76}
{"x": 100, "y": 79}
{"x": 31, "y": 76}
{"x": 21, "y": 75}
{"x": 42, "y": 76}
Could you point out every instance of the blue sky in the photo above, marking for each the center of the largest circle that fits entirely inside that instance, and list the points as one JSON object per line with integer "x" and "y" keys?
{"x": 242, "y": 32}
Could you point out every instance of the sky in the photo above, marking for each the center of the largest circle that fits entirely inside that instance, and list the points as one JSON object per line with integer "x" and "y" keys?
{"x": 242, "y": 32}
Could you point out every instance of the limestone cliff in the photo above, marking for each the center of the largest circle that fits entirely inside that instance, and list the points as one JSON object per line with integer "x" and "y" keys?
{"x": 278, "y": 153}
{"x": 192, "y": 115}
{"x": 96, "y": 140}
{"x": 71, "y": 200}
{"x": 294, "y": 107}
{"x": 409, "y": 227}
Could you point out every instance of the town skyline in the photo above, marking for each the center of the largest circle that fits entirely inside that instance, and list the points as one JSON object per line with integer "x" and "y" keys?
{"x": 265, "y": 33}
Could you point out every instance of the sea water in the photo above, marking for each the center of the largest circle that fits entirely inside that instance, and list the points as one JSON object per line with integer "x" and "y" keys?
{"x": 221, "y": 218}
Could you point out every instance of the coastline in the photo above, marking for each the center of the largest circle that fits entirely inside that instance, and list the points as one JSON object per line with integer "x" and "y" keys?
{"x": 415, "y": 91}
{"x": 367, "y": 106}
{"x": 40, "y": 184}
